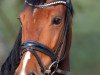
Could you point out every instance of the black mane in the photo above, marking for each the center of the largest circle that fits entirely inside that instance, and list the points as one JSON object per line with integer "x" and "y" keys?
{"x": 13, "y": 60}
{"x": 71, "y": 8}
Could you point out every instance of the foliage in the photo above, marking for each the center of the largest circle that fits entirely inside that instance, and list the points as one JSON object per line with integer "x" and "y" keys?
{"x": 85, "y": 57}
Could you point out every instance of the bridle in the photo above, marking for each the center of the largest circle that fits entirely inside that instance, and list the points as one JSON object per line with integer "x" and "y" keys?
{"x": 34, "y": 46}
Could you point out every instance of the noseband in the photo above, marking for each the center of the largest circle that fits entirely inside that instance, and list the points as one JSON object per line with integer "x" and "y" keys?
{"x": 34, "y": 46}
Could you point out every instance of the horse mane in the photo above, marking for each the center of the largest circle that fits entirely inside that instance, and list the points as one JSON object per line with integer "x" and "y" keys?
{"x": 13, "y": 59}
{"x": 71, "y": 8}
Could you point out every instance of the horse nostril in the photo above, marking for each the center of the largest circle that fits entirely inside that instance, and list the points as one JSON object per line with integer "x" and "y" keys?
{"x": 32, "y": 73}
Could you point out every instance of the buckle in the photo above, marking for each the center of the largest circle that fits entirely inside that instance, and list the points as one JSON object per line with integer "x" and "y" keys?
{"x": 52, "y": 68}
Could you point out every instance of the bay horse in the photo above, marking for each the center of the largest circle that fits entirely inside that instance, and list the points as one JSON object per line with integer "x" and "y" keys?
{"x": 44, "y": 40}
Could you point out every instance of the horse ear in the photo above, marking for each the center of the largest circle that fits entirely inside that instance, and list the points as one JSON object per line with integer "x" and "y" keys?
{"x": 13, "y": 60}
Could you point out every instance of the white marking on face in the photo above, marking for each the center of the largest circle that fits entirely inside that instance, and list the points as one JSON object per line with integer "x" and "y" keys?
{"x": 25, "y": 61}
{"x": 35, "y": 10}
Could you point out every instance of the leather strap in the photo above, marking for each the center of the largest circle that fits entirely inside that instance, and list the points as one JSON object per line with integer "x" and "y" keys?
{"x": 31, "y": 45}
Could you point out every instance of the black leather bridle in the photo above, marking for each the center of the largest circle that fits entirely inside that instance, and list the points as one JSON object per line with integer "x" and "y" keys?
{"x": 34, "y": 46}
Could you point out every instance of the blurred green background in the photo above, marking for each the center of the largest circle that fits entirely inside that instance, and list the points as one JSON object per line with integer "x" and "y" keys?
{"x": 85, "y": 50}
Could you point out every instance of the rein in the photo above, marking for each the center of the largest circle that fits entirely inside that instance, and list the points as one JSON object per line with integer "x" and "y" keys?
{"x": 34, "y": 46}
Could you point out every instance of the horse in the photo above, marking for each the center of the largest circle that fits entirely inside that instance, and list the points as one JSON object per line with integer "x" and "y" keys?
{"x": 44, "y": 40}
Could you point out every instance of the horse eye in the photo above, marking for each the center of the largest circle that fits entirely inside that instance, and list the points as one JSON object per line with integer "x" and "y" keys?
{"x": 56, "y": 20}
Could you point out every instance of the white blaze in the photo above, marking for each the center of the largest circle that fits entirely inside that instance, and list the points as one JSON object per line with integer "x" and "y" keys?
{"x": 35, "y": 10}
{"x": 25, "y": 61}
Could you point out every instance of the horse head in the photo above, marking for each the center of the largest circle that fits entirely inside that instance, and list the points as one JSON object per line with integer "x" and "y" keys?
{"x": 46, "y": 37}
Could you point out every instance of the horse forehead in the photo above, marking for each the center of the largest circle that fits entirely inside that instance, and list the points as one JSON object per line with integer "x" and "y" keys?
{"x": 35, "y": 11}
{"x": 42, "y": 11}
{"x": 49, "y": 11}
